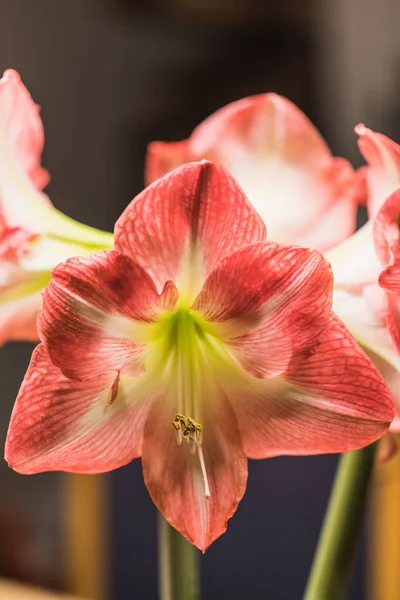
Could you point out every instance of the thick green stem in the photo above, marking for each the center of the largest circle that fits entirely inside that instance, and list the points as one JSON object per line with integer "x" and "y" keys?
{"x": 333, "y": 559}
{"x": 179, "y": 577}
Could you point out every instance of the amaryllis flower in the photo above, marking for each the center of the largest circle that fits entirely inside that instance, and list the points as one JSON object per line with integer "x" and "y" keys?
{"x": 195, "y": 344}
{"x": 34, "y": 236}
{"x": 304, "y": 194}
{"x": 367, "y": 266}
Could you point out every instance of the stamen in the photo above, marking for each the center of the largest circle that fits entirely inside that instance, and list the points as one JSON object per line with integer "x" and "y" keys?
{"x": 188, "y": 427}
{"x": 204, "y": 472}
{"x": 192, "y": 432}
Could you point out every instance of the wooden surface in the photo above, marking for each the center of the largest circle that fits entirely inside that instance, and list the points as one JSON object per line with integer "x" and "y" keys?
{"x": 10, "y": 590}
{"x": 384, "y": 540}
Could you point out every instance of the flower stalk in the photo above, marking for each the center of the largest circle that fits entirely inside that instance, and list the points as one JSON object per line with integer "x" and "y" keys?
{"x": 329, "y": 575}
{"x": 179, "y": 577}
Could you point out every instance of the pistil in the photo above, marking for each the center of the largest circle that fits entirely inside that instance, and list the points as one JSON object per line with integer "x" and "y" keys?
{"x": 192, "y": 432}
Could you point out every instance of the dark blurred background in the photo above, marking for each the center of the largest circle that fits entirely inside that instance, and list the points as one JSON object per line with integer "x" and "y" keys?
{"x": 111, "y": 76}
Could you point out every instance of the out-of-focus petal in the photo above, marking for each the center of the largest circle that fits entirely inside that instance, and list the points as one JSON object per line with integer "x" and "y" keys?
{"x": 389, "y": 279}
{"x": 281, "y": 161}
{"x": 365, "y": 313}
{"x": 354, "y": 262}
{"x": 387, "y": 244}
{"x": 182, "y": 225}
{"x": 174, "y": 478}
{"x": 383, "y": 172}
{"x": 21, "y": 145}
{"x": 333, "y": 401}
{"x": 21, "y": 126}
{"x": 22, "y": 204}
{"x": 19, "y": 308}
{"x": 91, "y": 310}
{"x": 386, "y": 230}
{"x": 63, "y": 425}
{"x": 163, "y": 157}
{"x": 270, "y": 303}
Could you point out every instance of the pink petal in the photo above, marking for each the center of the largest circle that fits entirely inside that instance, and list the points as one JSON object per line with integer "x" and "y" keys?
{"x": 21, "y": 146}
{"x": 18, "y": 318}
{"x": 64, "y": 425}
{"x": 173, "y": 476}
{"x": 197, "y": 209}
{"x": 165, "y": 157}
{"x": 22, "y": 127}
{"x": 387, "y": 230}
{"x": 270, "y": 302}
{"x": 333, "y": 401}
{"x": 387, "y": 245}
{"x": 383, "y": 171}
{"x": 282, "y": 163}
{"x": 90, "y": 309}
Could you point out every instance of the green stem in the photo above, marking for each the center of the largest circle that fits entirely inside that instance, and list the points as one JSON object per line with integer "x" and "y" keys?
{"x": 178, "y": 565}
{"x": 333, "y": 559}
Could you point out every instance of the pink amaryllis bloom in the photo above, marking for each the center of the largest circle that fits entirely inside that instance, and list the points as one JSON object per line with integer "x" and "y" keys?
{"x": 195, "y": 344}
{"x": 367, "y": 266}
{"x": 304, "y": 194}
{"x": 34, "y": 236}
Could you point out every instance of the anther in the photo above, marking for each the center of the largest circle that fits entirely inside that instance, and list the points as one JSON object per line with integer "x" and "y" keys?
{"x": 192, "y": 432}
{"x": 188, "y": 427}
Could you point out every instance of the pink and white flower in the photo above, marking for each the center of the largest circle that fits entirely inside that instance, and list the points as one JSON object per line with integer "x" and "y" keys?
{"x": 194, "y": 343}
{"x": 366, "y": 266}
{"x": 34, "y": 236}
{"x": 304, "y": 194}
{"x": 308, "y": 197}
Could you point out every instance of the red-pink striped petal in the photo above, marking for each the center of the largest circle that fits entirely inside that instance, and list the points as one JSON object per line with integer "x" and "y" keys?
{"x": 271, "y": 303}
{"x": 90, "y": 309}
{"x": 333, "y": 401}
{"x": 63, "y": 425}
{"x": 173, "y": 475}
{"x": 197, "y": 209}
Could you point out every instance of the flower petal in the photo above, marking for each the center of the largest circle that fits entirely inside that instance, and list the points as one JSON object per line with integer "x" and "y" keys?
{"x": 367, "y": 315}
{"x": 387, "y": 244}
{"x": 389, "y": 279}
{"x": 390, "y": 371}
{"x": 186, "y": 222}
{"x": 333, "y": 401}
{"x": 282, "y": 163}
{"x": 64, "y": 425}
{"x": 174, "y": 478}
{"x": 21, "y": 145}
{"x": 18, "y": 316}
{"x": 22, "y": 127}
{"x": 386, "y": 230}
{"x": 354, "y": 262}
{"x": 163, "y": 157}
{"x": 383, "y": 172}
{"x": 270, "y": 303}
{"x": 91, "y": 311}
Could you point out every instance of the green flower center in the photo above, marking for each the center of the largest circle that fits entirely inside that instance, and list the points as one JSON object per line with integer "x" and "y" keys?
{"x": 188, "y": 357}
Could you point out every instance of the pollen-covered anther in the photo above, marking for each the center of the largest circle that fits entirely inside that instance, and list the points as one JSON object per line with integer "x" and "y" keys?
{"x": 188, "y": 427}
{"x": 192, "y": 432}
